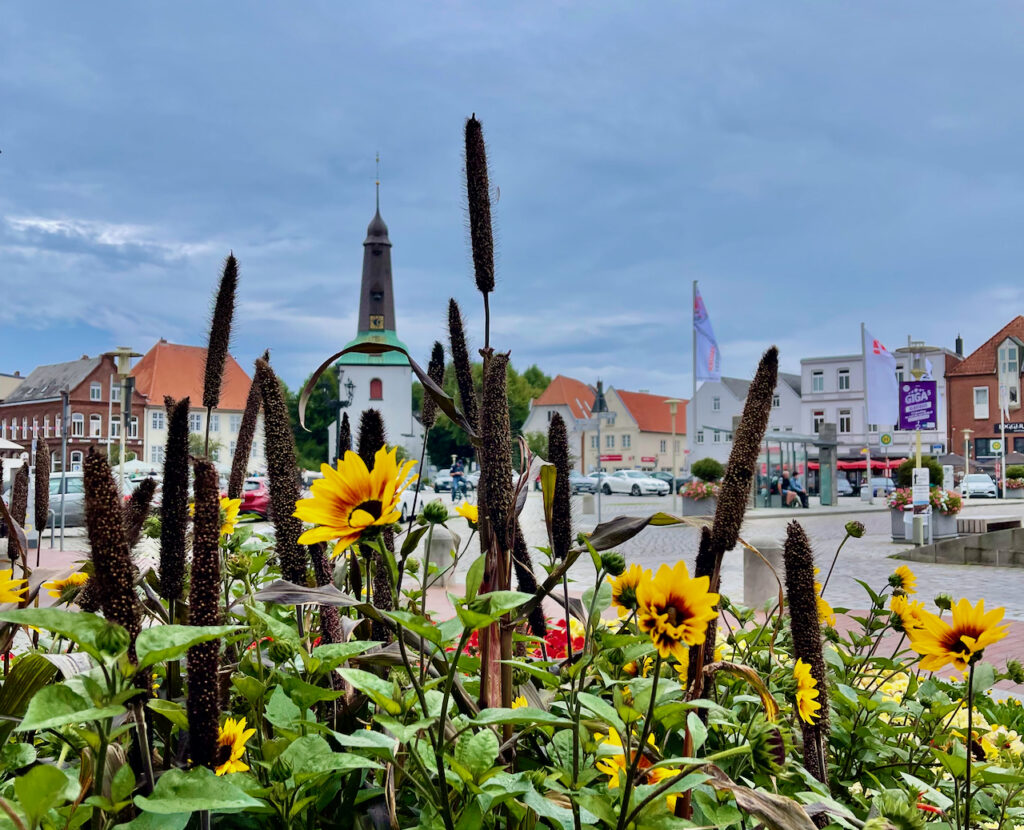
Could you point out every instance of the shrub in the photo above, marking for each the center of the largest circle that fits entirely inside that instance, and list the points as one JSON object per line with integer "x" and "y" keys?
{"x": 905, "y": 473}
{"x": 1015, "y": 471}
{"x": 707, "y": 469}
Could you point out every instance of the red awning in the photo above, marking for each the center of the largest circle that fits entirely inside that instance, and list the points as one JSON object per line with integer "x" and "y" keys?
{"x": 876, "y": 464}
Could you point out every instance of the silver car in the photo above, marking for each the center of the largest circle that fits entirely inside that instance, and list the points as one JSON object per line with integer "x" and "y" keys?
{"x": 634, "y": 482}
{"x": 74, "y": 500}
{"x": 979, "y": 485}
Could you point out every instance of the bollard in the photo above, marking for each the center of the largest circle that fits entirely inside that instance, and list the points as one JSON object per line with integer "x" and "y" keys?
{"x": 442, "y": 541}
{"x": 588, "y": 504}
{"x": 759, "y": 584}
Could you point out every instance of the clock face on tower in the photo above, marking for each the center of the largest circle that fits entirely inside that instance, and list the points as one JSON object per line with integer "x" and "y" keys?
{"x": 376, "y": 322}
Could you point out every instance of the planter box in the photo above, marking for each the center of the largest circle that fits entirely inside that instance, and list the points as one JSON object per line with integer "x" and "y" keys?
{"x": 700, "y": 507}
{"x": 943, "y": 526}
{"x": 898, "y": 532}
{"x": 1014, "y": 494}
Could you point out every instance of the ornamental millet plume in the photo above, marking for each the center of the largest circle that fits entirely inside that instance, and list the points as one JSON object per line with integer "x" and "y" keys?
{"x": 220, "y": 334}
{"x": 462, "y": 364}
{"x": 246, "y": 434}
{"x": 174, "y": 504}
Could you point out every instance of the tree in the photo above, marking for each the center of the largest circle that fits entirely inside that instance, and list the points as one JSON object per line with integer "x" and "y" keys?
{"x": 905, "y": 472}
{"x": 197, "y": 447}
{"x": 311, "y": 447}
{"x": 707, "y": 469}
{"x": 115, "y": 454}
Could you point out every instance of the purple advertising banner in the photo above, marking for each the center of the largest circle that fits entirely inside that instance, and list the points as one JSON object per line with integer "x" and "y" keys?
{"x": 918, "y": 404}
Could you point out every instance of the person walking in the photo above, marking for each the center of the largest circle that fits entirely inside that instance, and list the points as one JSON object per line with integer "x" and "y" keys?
{"x": 458, "y": 474}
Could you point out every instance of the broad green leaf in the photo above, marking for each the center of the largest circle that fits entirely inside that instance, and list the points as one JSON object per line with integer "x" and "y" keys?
{"x": 280, "y": 710}
{"x": 497, "y": 603}
{"x": 174, "y": 712}
{"x": 405, "y": 732}
{"x": 412, "y": 539}
{"x": 30, "y": 674}
{"x": 278, "y": 630}
{"x": 984, "y": 677}
{"x": 416, "y": 624}
{"x": 17, "y": 755}
{"x": 304, "y": 694}
{"x": 556, "y": 812}
{"x": 155, "y": 821}
{"x": 698, "y": 731}
{"x": 332, "y": 655}
{"x": 78, "y": 626}
{"x": 603, "y": 710}
{"x": 474, "y": 577}
{"x": 311, "y": 755}
{"x": 38, "y": 790}
{"x": 603, "y": 601}
{"x": 122, "y": 784}
{"x": 478, "y": 751}
{"x": 376, "y": 743}
{"x": 525, "y": 716}
{"x": 170, "y": 642}
{"x": 379, "y": 690}
{"x": 181, "y": 791}
{"x": 58, "y": 706}
{"x": 956, "y": 765}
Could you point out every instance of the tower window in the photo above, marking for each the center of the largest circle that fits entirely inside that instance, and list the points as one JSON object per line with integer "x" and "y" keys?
{"x": 376, "y": 390}
{"x": 377, "y": 296}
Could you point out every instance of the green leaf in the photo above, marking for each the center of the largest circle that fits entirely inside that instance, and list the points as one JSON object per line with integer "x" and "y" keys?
{"x": 170, "y": 642}
{"x": 562, "y": 816}
{"x": 78, "y": 626}
{"x": 332, "y": 655}
{"x": 181, "y": 791}
{"x": 497, "y": 603}
{"x": 525, "y": 716}
{"x": 379, "y": 690}
{"x": 603, "y": 710}
{"x": 30, "y": 674}
{"x": 698, "y": 731}
{"x": 404, "y": 732}
{"x": 311, "y": 755}
{"x": 280, "y": 710}
{"x": 38, "y": 790}
{"x": 984, "y": 677}
{"x": 417, "y": 625}
{"x": 58, "y": 706}
{"x": 412, "y": 539}
{"x": 304, "y": 694}
{"x": 122, "y": 784}
{"x": 17, "y": 755}
{"x": 375, "y": 743}
{"x": 474, "y": 577}
{"x": 478, "y": 751}
{"x": 277, "y": 629}
{"x": 174, "y": 712}
{"x": 604, "y": 599}
{"x": 153, "y": 821}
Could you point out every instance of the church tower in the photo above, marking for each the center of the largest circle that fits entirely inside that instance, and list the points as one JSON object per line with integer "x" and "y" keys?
{"x": 382, "y": 381}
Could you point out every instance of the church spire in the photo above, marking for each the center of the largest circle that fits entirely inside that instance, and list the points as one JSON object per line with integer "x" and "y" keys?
{"x": 376, "y": 294}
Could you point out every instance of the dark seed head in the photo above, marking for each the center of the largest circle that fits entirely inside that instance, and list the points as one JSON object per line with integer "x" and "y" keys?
{"x": 479, "y": 197}
{"x": 462, "y": 364}
{"x": 174, "y": 503}
{"x": 220, "y": 333}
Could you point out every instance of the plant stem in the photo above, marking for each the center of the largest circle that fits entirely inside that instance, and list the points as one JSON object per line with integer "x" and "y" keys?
{"x": 970, "y": 737}
{"x": 442, "y": 782}
{"x": 835, "y": 559}
{"x": 634, "y": 762}
{"x": 98, "y": 775}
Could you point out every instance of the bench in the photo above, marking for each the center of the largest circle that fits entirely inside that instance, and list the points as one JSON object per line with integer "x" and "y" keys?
{"x": 985, "y": 524}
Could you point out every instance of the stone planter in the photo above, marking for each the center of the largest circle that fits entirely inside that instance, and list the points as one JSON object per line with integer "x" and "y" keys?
{"x": 1015, "y": 494}
{"x": 699, "y": 507}
{"x": 943, "y": 525}
{"x": 898, "y": 532}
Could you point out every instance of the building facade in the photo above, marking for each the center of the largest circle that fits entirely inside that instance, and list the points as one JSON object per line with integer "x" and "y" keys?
{"x": 637, "y": 434}
{"x": 712, "y": 410}
{"x": 974, "y": 395}
{"x": 33, "y": 410}
{"x": 573, "y": 400}
{"x": 8, "y": 383}
{"x": 380, "y": 381}
{"x": 175, "y": 370}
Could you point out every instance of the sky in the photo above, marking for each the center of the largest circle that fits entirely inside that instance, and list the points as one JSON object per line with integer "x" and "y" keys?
{"x": 813, "y": 165}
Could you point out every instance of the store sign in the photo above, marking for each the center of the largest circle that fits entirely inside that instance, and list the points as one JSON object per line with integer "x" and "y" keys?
{"x": 920, "y": 490}
{"x": 917, "y": 404}
{"x": 611, "y": 458}
{"x": 649, "y": 459}
{"x": 1011, "y": 426}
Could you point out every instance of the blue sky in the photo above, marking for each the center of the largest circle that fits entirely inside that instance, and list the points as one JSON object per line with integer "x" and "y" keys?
{"x": 812, "y": 164}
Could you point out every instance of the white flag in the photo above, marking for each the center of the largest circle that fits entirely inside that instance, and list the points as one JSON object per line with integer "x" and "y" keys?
{"x": 880, "y": 382}
{"x": 928, "y": 369}
{"x": 709, "y": 359}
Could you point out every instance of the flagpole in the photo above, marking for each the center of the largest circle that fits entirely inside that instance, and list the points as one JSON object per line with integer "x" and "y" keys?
{"x": 867, "y": 432}
{"x": 691, "y": 418}
{"x": 1003, "y": 402}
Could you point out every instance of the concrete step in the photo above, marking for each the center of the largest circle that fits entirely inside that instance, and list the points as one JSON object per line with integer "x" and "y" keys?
{"x": 973, "y": 555}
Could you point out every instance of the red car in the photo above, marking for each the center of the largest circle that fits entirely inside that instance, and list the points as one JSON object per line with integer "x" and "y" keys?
{"x": 256, "y": 497}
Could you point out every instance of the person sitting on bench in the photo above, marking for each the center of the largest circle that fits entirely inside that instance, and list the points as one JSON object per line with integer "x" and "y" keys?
{"x": 786, "y": 492}
{"x": 798, "y": 488}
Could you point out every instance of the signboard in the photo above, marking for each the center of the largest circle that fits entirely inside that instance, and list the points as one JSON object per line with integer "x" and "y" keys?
{"x": 917, "y": 404}
{"x": 885, "y": 439}
{"x": 920, "y": 490}
{"x": 649, "y": 459}
{"x": 947, "y": 476}
{"x": 996, "y": 446}
{"x": 1011, "y": 426}
{"x": 611, "y": 458}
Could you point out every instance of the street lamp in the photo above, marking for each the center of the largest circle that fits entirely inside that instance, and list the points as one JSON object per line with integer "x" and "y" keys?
{"x": 339, "y": 405}
{"x": 601, "y": 413}
{"x": 965, "y": 491}
{"x": 673, "y": 405}
{"x": 123, "y": 357}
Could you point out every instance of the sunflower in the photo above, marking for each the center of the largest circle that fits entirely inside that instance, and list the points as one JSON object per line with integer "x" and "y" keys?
{"x": 352, "y": 500}
{"x": 825, "y": 613}
{"x": 624, "y": 588}
{"x": 470, "y": 512}
{"x": 903, "y": 579}
{"x": 806, "y": 692}
{"x": 905, "y": 614}
{"x": 613, "y": 763}
{"x": 675, "y": 609}
{"x": 520, "y": 702}
{"x": 229, "y": 515}
{"x": 66, "y": 589}
{"x": 231, "y": 746}
{"x": 11, "y": 589}
{"x": 961, "y": 643}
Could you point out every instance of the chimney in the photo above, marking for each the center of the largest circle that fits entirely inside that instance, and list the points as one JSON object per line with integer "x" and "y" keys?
{"x": 959, "y": 346}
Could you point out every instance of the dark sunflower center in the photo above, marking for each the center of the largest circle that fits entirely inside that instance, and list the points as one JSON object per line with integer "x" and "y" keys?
{"x": 677, "y": 612}
{"x": 223, "y": 754}
{"x": 955, "y": 644}
{"x": 373, "y": 507}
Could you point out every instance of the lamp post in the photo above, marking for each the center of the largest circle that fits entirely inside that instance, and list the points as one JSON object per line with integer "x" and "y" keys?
{"x": 339, "y": 405}
{"x": 673, "y": 406}
{"x": 123, "y": 358}
{"x": 600, "y": 411}
{"x": 965, "y": 491}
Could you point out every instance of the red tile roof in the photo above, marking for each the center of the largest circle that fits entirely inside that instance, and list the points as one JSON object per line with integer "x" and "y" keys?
{"x": 176, "y": 370}
{"x": 651, "y": 413}
{"x": 982, "y": 361}
{"x": 568, "y": 392}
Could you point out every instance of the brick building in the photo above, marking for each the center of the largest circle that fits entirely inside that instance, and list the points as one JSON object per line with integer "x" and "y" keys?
{"x": 33, "y": 409}
{"x": 974, "y": 394}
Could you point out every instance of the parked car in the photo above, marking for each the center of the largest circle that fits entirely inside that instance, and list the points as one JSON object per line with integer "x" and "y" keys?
{"x": 673, "y": 482}
{"x": 843, "y": 487}
{"x": 978, "y": 485}
{"x": 579, "y": 483}
{"x": 74, "y": 500}
{"x": 256, "y": 497}
{"x": 882, "y": 486}
{"x": 634, "y": 482}
{"x": 409, "y": 494}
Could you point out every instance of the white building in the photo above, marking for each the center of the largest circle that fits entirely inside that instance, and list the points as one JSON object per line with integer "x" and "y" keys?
{"x": 570, "y": 398}
{"x": 717, "y": 403}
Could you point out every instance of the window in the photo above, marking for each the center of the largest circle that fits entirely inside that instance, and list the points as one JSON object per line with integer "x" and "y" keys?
{"x": 95, "y": 391}
{"x": 818, "y": 382}
{"x": 845, "y": 421}
{"x": 133, "y": 427}
{"x": 817, "y": 419}
{"x": 716, "y": 437}
{"x": 872, "y": 427}
{"x": 376, "y": 390}
{"x": 115, "y": 426}
{"x": 235, "y": 422}
{"x": 1009, "y": 372}
{"x": 700, "y": 436}
{"x": 716, "y": 404}
{"x": 550, "y": 415}
{"x": 14, "y": 429}
{"x": 899, "y": 373}
{"x": 215, "y": 454}
{"x": 3, "y": 427}
{"x": 677, "y": 445}
{"x": 156, "y": 454}
{"x": 115, "y": 392}
{"x": 76, "y": 459}
{"x": 844, "y": 380}
{"x": 95, "y": 426}
{"x": 609, "y": 441}
{"x": 195, "y": 421}
{"x": 232, "y": 450}
{"x": 35, "y": 427}
{"x": 215, "y": 423}
{"x": 24, "y": 427}
{"x": 663, "y": 446}
{"x": 57, "y": 427}
{"x": 776, "y": 401}
{"x": 728, "y": 438}
{"x": 158, "y": 419}
{"x": 255, "y": 453}
{"x": 594, "y": 445}
{"x": 78, "y": 425}
{"x": 627, "y": 441}
{"x": 46, "y": 426}
{"x": 980, "y": 403}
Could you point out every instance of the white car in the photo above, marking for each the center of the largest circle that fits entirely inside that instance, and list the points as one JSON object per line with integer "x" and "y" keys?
{"x": 634, "y": 482}
{"x": 426, "y": 493}
{"x": 978, "y": 485}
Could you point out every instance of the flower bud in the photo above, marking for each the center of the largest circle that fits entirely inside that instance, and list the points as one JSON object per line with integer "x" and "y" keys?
{"x": 280, "y": 651}
{"x": 1015, "y": 671}
{"x": 944, "y": 601}
{"x": 769, "y": 748}
{"x": 855, "y": 529}
{"x": 112, "y": 640}
{"x": 412, "y": 565}
{"x": 613, "y": 562}
{"x": 435, "y": 512}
